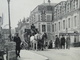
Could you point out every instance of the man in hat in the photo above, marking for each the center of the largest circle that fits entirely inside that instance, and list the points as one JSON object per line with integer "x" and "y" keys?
{"x": 18, "y": 42}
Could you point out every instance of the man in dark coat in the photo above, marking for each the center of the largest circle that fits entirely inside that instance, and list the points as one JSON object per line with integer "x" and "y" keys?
{"x": 18, "y": 42}
{"x": 63, "y": 42}
{"x": 32, "y": 26}
{"x": 57, "y": 42}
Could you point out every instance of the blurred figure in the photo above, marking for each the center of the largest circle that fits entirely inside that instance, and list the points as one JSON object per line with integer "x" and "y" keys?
{"x": 28, "y": 42}
{"x": 68, "y": 42}
{"x": 32, "y": 41}
{"x": 57, "y": 42}
{"x": 32, "y": 26}
{"x": 44, "y": 38}
{"x": 18, "y": 42}
{"x": 50, "y": 44}
{"x": 63, "y": 42}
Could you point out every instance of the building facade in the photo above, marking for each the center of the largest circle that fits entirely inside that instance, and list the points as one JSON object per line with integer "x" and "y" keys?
{"x": 67, "y": 19}
{"x": 41, "y": 17}
{"x": 63, "y": 17}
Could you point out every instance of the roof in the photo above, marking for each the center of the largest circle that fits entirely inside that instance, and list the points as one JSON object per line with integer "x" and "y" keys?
{"x": 47, "y": 4}
{"x": 44, "y": 4}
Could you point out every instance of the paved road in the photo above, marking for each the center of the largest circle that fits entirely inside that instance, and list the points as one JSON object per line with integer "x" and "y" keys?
{"x": 28, "y": 55}
{"x": 61, "y": 54}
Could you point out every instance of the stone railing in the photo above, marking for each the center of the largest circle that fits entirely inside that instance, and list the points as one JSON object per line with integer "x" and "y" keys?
{"x": 10, "y": 50}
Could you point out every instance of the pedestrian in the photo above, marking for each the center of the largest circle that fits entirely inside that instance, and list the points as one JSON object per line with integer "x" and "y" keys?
{"x": 50, "y": 44}
{"x": 44, "y": 39}
{"x": 53, "y": 44}
{"x": 68, "y": 42}
{"x": 57, "y": 42}
{"x": 63, "y": 42}
{"x": 17, "y": 40}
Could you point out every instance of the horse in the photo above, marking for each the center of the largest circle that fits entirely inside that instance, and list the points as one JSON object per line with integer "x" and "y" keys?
{"x": 38, "y": 38}
{"x": 32, "y": 42}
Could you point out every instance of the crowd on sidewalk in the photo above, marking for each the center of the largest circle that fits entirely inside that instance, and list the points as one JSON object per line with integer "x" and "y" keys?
{"x": 62, "y": 43}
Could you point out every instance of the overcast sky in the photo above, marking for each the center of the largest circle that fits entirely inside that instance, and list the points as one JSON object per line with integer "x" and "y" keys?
{"x": 19, "y": 9}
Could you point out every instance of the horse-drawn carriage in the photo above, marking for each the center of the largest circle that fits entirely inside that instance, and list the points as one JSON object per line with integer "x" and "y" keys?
{"x": 34, "y": 39}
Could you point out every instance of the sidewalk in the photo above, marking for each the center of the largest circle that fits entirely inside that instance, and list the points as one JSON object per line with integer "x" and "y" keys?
{"x": 28, "y": 55}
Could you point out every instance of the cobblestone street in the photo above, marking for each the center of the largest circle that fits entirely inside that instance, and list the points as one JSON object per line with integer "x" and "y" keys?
{"x": 28, "y": 55}
{"x": 61, "y": 54}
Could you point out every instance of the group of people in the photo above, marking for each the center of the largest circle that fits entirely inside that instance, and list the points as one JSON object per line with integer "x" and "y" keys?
{"x": 62, "y": 42}
{"x": 37, "y": 41}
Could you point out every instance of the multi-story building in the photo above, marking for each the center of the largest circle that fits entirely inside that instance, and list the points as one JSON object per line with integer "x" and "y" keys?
{"x": 67, "y": 19}
{"x": 41, "y": 17}
{"x": 22, "y": 26}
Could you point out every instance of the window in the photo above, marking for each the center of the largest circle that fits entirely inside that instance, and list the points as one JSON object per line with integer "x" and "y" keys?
{"x": 75, "y": 20}
{"x": 48, "y": 18}
{"x": 38, "y": 17}
{"x": 52, "y": 27}
{"x": 74, "y": 39}
{"x": 43, "y": 15}
{"x": 76, "y": 3}
{"x": 55, "y": 26}
{"x": 48, "y": 27}
{"x": 49, "y": 8}
{"x": 63, "y": 24}
{"x": 69, "y": 23}
{"x": 43, "y": 28}
{"x": 59, "y": 25}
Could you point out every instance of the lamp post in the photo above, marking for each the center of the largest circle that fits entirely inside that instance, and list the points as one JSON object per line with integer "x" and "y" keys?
{"x": 9, "y": 19}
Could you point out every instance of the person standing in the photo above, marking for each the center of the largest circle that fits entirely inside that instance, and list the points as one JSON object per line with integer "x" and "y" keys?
{"x": 17, "y": 40}
{"x": 63, "y": 42}
{"x": 68, "y": 42}
{"x": 44, "y": 38}
{"x": 57, "y": 42}
{"x": 51, "y": 44}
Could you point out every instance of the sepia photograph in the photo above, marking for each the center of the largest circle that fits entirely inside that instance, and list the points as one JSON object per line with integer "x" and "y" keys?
{"x": 39, "y": 29}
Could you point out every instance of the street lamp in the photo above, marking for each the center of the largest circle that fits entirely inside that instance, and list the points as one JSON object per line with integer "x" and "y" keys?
{"x": 9, "y": 19}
